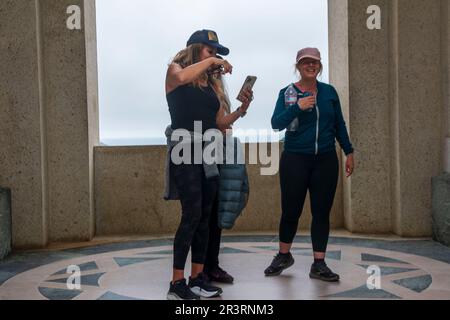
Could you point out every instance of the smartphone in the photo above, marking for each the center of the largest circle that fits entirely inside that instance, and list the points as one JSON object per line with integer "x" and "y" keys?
{"x": 248, "y": 84}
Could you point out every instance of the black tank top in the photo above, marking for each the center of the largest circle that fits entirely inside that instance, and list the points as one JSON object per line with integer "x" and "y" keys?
{"x": 188, "y": 104}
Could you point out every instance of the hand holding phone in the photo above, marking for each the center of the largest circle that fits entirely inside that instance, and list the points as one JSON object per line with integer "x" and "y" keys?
{"x": 247, "y": 86}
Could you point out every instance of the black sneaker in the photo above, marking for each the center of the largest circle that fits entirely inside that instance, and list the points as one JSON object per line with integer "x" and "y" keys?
{"x": 279, "y": 263}
{"x": 219, "y": 275}
{"x": 321, "y": 271}
{"x": 201, "y": 287}
{"x": 180, "y": 291}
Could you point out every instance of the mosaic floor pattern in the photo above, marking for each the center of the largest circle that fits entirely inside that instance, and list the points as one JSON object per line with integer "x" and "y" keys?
{"x": 142, "y": 270}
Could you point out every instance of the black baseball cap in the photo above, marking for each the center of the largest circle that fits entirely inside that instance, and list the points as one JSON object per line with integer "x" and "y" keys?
{"x": 210, "y": 38}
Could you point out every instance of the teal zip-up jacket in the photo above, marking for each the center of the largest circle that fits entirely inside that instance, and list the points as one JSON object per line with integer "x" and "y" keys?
{"x": 318, "y": 129}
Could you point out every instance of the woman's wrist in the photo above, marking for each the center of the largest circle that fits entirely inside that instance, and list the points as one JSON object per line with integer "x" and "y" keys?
{"x": 241, "y": 112}
{"x": 212, "y": 61}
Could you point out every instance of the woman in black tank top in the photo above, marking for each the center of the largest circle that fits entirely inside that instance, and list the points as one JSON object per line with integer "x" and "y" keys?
{"x": 195, "y": 93}
{"x": 188, "y": 104}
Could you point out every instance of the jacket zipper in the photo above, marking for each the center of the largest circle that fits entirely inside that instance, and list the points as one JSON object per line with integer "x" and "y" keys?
{"x": 317, "y": 129}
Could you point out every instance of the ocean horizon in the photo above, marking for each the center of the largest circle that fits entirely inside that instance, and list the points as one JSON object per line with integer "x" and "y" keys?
{"x": 158, "y": 141}
{"x": 146, "y": 141}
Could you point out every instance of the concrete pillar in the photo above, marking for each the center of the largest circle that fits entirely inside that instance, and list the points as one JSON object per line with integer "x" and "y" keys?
{"x": 392, "y": 81}
{"x": 22, "y": 156}
{"x": 418, "y": 99}
{"x": 50, "y": 111}
{"x": 358, "y": 69}
{"x": 445, "y": 16}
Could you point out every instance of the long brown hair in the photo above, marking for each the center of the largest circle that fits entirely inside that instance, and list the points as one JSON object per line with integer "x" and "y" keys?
{"x": 190, "y": 56}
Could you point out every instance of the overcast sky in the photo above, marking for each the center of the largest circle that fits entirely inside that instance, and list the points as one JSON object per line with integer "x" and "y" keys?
{"x": 138, "y": 38}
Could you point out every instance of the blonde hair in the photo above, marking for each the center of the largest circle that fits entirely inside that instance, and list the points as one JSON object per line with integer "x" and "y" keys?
{"x": 190, "y": 56}
{"x": 221, "y": 92}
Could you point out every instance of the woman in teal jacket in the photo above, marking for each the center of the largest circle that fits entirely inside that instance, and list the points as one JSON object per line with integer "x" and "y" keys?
{"x": 311, "y": 112}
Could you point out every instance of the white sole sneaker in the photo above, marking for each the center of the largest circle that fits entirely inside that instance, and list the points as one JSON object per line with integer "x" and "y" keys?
{"x": 206, "y": 294}
{"x": 174, "y": 297}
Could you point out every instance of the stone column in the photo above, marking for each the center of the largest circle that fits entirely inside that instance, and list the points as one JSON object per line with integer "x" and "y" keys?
{"x": 358, "y": 70}
{"x": 445, "y": 16}
{"x": 390, "y": 81}
{"x": 441, "y": 183}
{"x": 418, "y": 96}
{"x": 50, "y": 111}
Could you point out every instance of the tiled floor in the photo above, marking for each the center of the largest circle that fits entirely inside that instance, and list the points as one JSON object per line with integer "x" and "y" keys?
{"x": 410, "y": 269}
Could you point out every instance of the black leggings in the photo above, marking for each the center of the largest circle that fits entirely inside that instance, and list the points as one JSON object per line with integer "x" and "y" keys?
{"x": 197, "y": 195}
{"x": 215, "y": 234}
{"x": 298, "y": 174}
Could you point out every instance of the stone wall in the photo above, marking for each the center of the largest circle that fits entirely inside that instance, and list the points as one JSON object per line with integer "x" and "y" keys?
{"x": 129, "y": 185}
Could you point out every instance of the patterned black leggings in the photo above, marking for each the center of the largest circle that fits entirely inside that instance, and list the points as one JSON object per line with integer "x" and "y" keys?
{"x": 197, "y": 195}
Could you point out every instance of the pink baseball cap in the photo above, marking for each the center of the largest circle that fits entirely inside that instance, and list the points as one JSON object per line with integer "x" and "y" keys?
{"x": 312, "y": 53}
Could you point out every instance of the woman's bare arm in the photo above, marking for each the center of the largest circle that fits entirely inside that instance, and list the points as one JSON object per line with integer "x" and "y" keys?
{"x": 178, "y": 76}
{"x": 224, "y": 121}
